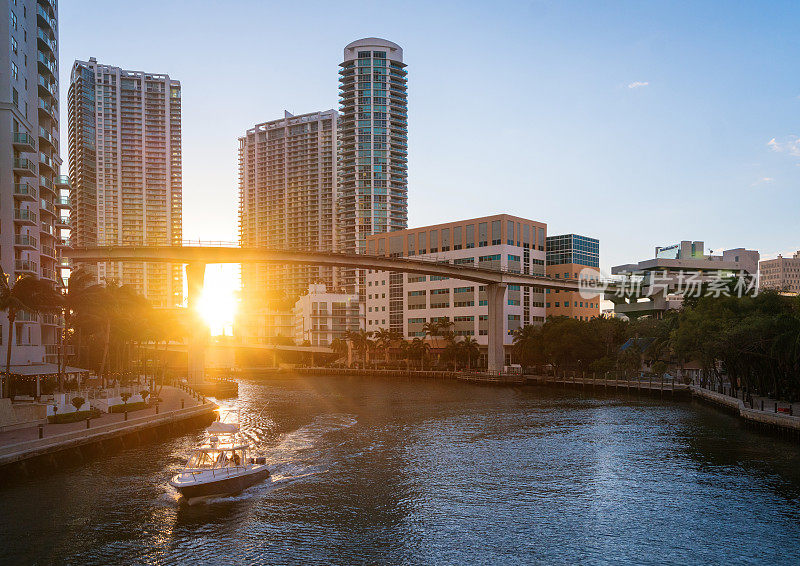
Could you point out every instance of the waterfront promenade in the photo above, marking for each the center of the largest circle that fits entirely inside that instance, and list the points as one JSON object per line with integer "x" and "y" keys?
{"x": 176, "y": 405}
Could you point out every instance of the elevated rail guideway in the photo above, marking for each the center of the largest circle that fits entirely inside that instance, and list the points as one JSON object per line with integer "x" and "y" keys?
{"x": 196, "y": 257}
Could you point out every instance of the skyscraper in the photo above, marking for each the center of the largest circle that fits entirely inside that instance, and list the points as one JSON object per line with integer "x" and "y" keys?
{"x": 125, "y": 166}
{"x": 373, "y": 150}
{"x": 30, "y": 211}
{"x": 287, "y": 200}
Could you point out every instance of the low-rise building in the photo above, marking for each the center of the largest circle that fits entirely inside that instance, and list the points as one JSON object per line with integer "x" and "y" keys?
{"x": 781, "y": 273}
{"x": 567, "y": 256}
{"x": 404, "y": 302}
{"x": 653, "y": 286}
{"x": 321, "y": 316}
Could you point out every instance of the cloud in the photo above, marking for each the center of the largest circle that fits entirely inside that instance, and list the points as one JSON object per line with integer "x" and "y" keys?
{"x": 638, "y": 84}
{"x": 762, "y": 181}
{"x": 789, "y": 145}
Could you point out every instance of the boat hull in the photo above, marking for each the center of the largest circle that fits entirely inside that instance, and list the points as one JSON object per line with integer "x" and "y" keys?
{"x": 223, "y": 486}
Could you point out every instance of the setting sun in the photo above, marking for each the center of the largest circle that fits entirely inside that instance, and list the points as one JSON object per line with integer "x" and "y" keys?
{"x": 218, "y": 303}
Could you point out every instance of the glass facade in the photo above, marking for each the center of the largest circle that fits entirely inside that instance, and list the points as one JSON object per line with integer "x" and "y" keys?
{"x": 572, "y": 248}
{"x": 373, "y": 145}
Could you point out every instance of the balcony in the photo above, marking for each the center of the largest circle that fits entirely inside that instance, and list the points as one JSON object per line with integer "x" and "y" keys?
{"x": 47, "y": 162}
{"x": 24, "y": 167}
{"x": 45, "y": 183}
{"x": 46, "y": 65}
{"x": 63, "y": 222}
{"x": 25, "y": 241}
{"x": 46, "y": 136}
{"x": 23, "y": 216}
{"x": 24, "y": 191}
{"x": 62, "y": 180}
{"x": 47, "y": 206}
{"x": 23, "y": 141}
{"x": 44, "y": 40}
{"x": 49, "y": 109}
{"x": 64, "y": 243}
{"x": 26, "y": 266}
{"x": 63, "y": 202}
{"x": 44, "y": 19}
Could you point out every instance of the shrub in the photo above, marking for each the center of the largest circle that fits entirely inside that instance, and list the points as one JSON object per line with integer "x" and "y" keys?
{"x": 74, "y": 417}
{"x": 78, "y": 402}
{"x": 129, "y": 407}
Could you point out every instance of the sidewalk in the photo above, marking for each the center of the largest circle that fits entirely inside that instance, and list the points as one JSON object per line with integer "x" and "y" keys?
{"x": 171, "y": 400}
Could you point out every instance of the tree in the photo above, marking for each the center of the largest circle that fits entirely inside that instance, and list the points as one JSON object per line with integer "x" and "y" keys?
{"x": 361, "y": 342}
{"x": 78, "y": 402}
{"x": 471, "y": 349}
{"x": 384, "y": 338}
{"x": 80, "y": 290}
{"x": 26, "y": 293}
{"x": 419, "y": 350}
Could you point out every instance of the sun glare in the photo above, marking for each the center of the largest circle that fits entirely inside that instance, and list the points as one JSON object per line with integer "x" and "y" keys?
{"x": 218, "y": 304}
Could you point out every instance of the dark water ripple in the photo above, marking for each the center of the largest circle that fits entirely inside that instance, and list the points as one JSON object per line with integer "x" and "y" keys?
{"x": 414, "y": 472}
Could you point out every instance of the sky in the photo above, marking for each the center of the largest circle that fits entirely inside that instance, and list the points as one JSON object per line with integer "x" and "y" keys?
{"x": 638, "y": 123}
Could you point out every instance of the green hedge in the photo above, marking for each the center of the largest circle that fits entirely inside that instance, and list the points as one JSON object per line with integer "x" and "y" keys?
{"x": 129, "y": 407}
{"x": 74, "y": 416}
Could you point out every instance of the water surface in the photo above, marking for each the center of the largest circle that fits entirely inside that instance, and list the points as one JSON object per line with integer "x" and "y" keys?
{"x": 418, "y": 472}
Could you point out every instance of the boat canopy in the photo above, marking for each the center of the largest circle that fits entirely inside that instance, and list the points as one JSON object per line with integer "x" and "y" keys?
{"x": 218, "y": 427}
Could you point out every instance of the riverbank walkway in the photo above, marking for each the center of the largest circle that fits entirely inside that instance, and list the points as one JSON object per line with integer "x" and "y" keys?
{"x": 176, "y": 404}
{"x": 770, "y": 416}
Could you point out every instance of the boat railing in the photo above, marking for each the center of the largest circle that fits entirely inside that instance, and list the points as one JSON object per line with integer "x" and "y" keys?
{"x": 228, "y": 470}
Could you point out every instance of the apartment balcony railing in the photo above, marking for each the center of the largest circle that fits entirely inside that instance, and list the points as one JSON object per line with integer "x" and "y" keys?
{"x": 46, "y": 63}
{"x": 45, "y": 39}
{"x": 23, "y": 141}
{"x": 24, "y": 191}
{"x": 44, "y": 17}
{"x": 63, "y": 202}
{"x": 49, "y": 251}
{"x": 25, "y": 241}
{"x": 48, "y": 137}
{"x": 24, "y": 167}
{"x": 24, "y": 216}
{"x": 63, "y": 222}
{"x": 61, "y": 180}
{"x": 26, "y": 266}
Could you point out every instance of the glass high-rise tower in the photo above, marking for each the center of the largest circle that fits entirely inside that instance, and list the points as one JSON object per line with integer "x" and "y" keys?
{"x": 373, "y": 146}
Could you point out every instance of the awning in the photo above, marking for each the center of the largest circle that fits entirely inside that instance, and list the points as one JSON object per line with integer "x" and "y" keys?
{"x": 41, "y": 369}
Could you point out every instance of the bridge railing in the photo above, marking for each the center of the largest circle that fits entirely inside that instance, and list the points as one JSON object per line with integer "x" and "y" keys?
{"x": 599, "y": 283}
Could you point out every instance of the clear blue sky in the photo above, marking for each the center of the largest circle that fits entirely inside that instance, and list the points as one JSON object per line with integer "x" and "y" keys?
{"x": 639, "y": 123}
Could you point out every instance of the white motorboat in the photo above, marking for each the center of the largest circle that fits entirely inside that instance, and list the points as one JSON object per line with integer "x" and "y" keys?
{"x": 222, "y": 464}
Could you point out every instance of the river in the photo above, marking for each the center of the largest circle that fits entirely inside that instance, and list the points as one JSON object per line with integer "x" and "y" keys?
{"x": 423, "y": 472}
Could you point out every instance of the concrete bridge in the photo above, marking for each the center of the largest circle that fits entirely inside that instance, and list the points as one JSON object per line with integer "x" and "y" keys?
{"x": 197, "y": 257}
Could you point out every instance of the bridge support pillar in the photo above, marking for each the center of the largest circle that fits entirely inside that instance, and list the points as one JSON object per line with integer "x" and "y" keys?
{"x": 198, "y": 333}
{"x": 496, "y": 296}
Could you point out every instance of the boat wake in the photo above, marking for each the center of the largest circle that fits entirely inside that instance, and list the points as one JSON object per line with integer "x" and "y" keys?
{"x": 294, "y": 456}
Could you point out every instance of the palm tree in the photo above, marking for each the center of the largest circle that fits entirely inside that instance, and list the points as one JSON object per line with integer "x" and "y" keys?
{"x": 26, "y": 293}
{"x": 470, "y": 348}
{"x": 436, "y": 328}
{"x": 80, "y": 291}
{"x": 420, "y": 349}
{"x": 384, "y": 338}
{"x": 361, "y": 342}
{"x": 339, "y": 347}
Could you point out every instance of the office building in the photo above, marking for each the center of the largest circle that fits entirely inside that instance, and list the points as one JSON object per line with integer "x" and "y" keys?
{"x": 404, "y": 302}
{"x": 321, "y": 316}
{"x": 653, "y": 286}
{"x": 125, "y": 168}
{"x": 33, "y": 216}
{"x": 567, "y": 256}
{"x": 781, "y": 273}
{"x": 373, "y": 182}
